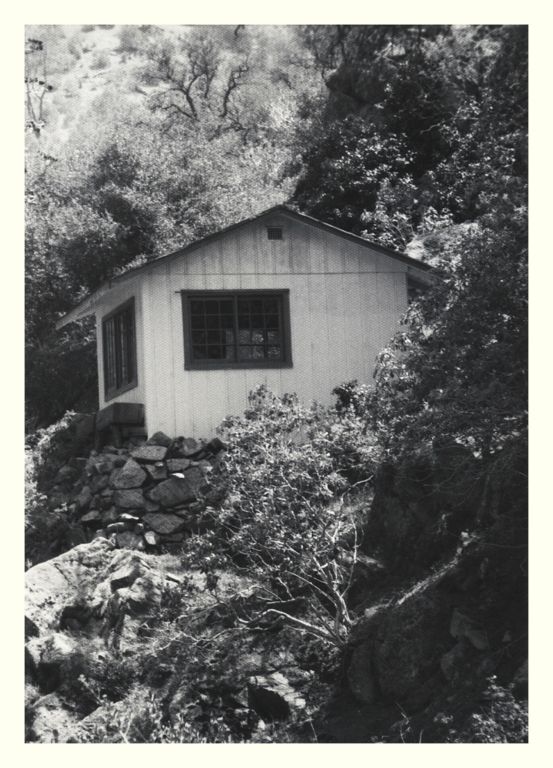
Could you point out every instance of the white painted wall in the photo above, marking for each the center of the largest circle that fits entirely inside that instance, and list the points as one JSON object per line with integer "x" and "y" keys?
{"x": 345, "y": 303}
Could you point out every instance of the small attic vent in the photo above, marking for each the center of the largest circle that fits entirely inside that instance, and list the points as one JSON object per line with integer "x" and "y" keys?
{"x": 274, "y": 233}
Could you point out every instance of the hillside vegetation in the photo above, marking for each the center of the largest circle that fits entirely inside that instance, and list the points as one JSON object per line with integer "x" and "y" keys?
{"x": 362, "y": 571}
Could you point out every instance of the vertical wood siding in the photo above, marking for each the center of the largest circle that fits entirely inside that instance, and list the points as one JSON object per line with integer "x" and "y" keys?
{"x": 345, "y": 303}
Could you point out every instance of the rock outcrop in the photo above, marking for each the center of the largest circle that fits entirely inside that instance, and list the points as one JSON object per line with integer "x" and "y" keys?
{"x": 80, "y": 608}
{"x": 98, "y": 607}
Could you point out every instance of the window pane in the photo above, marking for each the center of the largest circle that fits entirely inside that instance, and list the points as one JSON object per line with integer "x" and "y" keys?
{"x": 270, "y": 306}
{"x": 244, "y": 353}
{"x": 198, "y": 337}
{"x": 199, "y": 351}
{"x": 214, "y": 337}
{"x": 197, "y": 321}
{"x": 211, "y": 307}
{"x": 272, "y": 321}
{"x": 226, "y": 306}
{"x": 257, "y": 337}
{"x": 216, "y": 352}
{"x": 273, "y": 352}
{"x": 258, "y": 353}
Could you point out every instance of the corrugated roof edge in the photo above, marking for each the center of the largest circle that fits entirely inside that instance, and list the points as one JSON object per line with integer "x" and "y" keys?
{"x": 284, "y": 209}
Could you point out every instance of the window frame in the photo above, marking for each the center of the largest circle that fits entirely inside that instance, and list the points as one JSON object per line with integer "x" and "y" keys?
{"x": 110, "y": 394}
{"x": 282, "y": 294}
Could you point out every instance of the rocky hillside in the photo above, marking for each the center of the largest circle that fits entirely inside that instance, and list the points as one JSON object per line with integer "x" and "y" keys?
{"x": 135, "y": 631}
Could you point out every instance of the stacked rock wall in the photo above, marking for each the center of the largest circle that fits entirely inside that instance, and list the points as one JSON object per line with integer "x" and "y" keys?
{"x": 142, "y": 495}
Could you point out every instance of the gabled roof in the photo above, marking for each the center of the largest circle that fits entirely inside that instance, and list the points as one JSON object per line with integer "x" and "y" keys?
{"x": 86, "y": 306}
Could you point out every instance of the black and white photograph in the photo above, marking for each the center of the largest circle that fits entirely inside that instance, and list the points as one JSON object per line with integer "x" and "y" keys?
{"x": 276, "y": 383}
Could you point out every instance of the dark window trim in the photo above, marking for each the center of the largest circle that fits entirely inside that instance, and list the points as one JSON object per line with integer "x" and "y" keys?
{"x": 202, "y": 365}
{"x": 109, "y": 394}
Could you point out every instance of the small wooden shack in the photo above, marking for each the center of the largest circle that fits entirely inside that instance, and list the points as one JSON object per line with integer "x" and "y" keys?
{"x": 281, "y": 298}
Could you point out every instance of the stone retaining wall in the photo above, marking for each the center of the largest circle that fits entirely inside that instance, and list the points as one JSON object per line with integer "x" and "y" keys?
{"x": 142, "y": 495}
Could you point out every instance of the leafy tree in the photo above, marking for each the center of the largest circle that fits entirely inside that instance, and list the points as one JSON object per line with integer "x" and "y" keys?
{"x": 454, "y": 102}
{"x": 459, "y": 370}
{"x": 345, "y": 169}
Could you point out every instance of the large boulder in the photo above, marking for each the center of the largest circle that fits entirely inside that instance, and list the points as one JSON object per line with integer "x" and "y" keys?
{"x": 149, "y": 454}
{"x": 85, "y": 609}
{"x": 360, "y": 675}
{"x": 409, "y": 643}
{"x": 272, "y": 696}
{"x": 177, "y": 465}
{"x": 66, "y": 580}
{"x": 52, "y": 721}
{"x": 130, "y": 540}
{"x": 159, "y": 438}
{"x": 89, "y": 575}
{"x": 131, "y": 475}
{"x": 174, "y": 491}
{"x": 132, "y": 498}
{"x": 164, "y": 523}
{"x": 157, "y": 471}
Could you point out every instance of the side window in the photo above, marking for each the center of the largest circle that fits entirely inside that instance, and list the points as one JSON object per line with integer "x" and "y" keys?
{"x": 119, "y": 341}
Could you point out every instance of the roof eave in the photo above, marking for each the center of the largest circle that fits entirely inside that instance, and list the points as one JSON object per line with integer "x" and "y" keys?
{"x": 85, "y": 308}
{"x": 88, "y": 305}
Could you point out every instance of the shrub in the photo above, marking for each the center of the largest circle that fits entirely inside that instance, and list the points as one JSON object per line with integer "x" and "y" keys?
{"x": 48, "y": 531}
{"x": 131, "y": 38}
{"x": 501, "y": 720}
{"x": 290, "y": 473}
{"x": 143, "y": 721}
{"x": 352, "y": 395}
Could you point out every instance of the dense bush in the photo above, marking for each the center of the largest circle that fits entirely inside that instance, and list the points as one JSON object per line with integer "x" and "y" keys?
{"x": 499, "y": 718}
{"x": 291, "y": 474}
{"x": 48, "y": 530}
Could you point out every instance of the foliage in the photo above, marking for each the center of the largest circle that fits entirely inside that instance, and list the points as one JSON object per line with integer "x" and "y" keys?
{"x": 501, "y": 719}
{"x": 144, "y": 721}
{"x": 34, "y": 500}
{"x": 454, "y": 99}
{"x": 459, "y": 370}
{"x": 346, "y": 168}
{"x": 47, "y": 527}
{"x": 287, "y": 520}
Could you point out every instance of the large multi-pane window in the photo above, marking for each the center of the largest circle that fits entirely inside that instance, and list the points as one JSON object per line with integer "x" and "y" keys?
{"x": 236, "y": 329}
{"x": 119, "y": 341}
